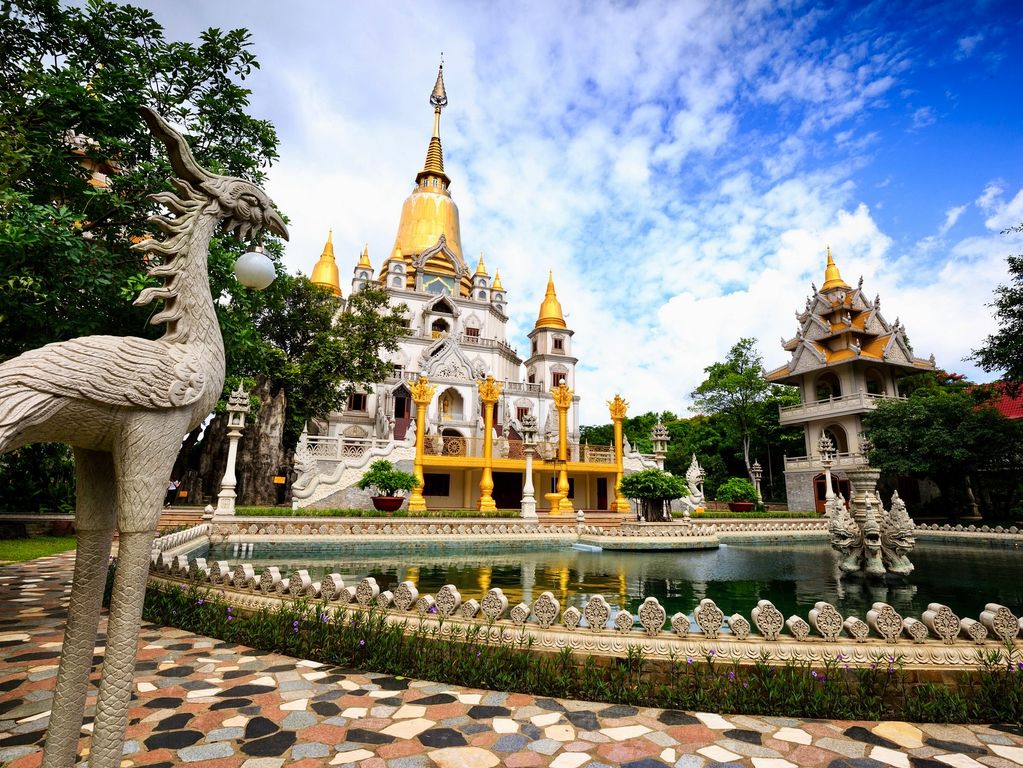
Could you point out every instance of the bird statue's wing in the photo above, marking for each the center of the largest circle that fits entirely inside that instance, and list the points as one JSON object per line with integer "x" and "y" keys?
{"x": 115, "y": 370}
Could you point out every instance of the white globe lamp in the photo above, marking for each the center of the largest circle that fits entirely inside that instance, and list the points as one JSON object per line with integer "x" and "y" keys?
{"x": 255, "y": 269}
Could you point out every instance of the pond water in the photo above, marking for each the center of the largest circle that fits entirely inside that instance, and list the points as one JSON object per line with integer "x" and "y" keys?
{"x": 792, "y": 576}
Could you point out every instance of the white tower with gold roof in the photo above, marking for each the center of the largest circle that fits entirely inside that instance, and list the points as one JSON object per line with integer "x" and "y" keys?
{"x": 845, "y": 357}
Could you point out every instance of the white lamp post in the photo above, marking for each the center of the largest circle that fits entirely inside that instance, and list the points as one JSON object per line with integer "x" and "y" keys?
{"x": 528, "y": 447}
{"x": 757, "y": 472}
{"x": 237, "y": 407}
{"x": 826, "y": 448}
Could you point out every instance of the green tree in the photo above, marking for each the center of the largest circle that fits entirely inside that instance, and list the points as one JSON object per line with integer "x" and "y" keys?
{"x": 736, "y": 390}
{"x": 1003, "y": 350}
{"x": 654, "y": 489}
{"x": 949, "y": 435}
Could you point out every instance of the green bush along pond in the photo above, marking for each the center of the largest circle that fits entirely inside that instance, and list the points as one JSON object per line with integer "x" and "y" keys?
{"x": 837, "y": 689}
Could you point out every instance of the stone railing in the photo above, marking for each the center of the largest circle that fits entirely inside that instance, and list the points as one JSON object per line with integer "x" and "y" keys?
{"x": 841, "y": 461}
{"x": 938, "y": 638}
{"x": 178, "y": 538}
{"x": 997, "y": 530}
{"x": 857, "y": 402}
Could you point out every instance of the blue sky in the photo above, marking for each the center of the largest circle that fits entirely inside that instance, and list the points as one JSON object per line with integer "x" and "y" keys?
{"x": 681, "y": 166}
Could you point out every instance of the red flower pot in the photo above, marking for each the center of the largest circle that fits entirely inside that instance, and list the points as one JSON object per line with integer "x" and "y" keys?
{"x": 741, "y": 506}
{"x": 387, "y": 503}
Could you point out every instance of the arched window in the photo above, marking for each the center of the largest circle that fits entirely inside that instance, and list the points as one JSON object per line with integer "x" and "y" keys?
{"x": 396, "y": 281}
{"x": 838, "y": 437}
{"x": 827, "y": 386}
{"x": 483, "y": 295}
{"x": 875, "y": 382}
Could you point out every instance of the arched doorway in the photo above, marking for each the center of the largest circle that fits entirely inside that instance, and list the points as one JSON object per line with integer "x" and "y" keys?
{"x": 875, "y": 382}
{"x": 402, "y": 411}
{"x": 838, "y": 485}
{"x": 450, "y": 405}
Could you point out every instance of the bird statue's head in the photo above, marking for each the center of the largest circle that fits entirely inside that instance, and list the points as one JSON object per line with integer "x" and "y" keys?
{"x": 244, "y": 208}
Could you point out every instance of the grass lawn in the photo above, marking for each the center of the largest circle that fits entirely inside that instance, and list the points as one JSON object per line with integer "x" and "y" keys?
{"x": 16, "y": 550}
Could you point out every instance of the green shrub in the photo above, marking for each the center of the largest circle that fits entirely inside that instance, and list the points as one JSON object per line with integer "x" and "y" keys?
{"x": 737, "y": 489}
{"x": 832, "y": 689}
{"x": 387, "y": 480}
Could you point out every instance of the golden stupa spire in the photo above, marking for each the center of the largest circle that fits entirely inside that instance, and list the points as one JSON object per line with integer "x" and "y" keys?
{"x": 325, "y": 272}
{"x": 434, "y": 165}
{"x": 364, "y": 258}
{"x": 832, "y": 277}
{"x": 497, "y": 281}
{"x": 550, "y": 311}
{"x": 481, "y": 268}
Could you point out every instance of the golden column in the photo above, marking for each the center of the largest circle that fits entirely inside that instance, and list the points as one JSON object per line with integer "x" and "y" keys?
{"x": 490, "y": 390}
{"x": 422, "y": 394}
{"x": 563, "y": 401}
{"x": 618, "y": 407}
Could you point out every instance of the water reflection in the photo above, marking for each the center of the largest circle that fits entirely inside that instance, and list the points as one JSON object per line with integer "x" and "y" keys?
{"x": 792, "y": 576}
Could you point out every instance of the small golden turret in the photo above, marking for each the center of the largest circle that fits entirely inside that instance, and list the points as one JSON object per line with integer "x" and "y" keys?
{"x": 364, "y": 258}
{"x": 550, "y": 311}
{"x": 497, "y": 281}
{"x": 434, "y": 165}
{"x": 325, "y": 272}
{"x": 832, "y": 277}
{"x": 481, "y": 268}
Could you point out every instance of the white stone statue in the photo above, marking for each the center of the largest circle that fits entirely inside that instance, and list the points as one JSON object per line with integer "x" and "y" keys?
{"x": 123, "y": 404}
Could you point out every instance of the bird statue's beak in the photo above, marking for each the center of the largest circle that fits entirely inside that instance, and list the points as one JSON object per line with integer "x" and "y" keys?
{"x": 274, "y": 223}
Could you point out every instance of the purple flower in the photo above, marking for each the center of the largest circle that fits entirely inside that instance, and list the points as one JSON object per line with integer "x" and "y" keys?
{"x": 731, "y": 675}
{"x": 362, "y": 643}
{"x": 433, "y": 609}
{"x": 710, "y": 652}
{"x": 1019, "y": 666}
{"x": 324, "y": 618}
{"x": 823, "y": 678}
{"x": 199, "y": 601}
{"x": 873, "y": 666}
{"x": 229, "y": 609}
{"x": 477, "y": 654}
{"x": 294, "y": 623}
{"x": 230, "y": 618}
{"x": 814, "y": 674}
{"x": 689, "y": 660}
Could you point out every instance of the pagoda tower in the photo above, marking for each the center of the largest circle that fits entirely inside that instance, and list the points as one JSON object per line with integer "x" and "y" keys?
{"x": 325, "y": 272}
{"x": 845, "y": 357}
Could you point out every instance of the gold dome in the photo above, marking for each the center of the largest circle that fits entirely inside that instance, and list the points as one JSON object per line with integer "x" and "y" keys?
{"x": 550, "y": 311}
{"x": 832, "y": 277}
{"x": 497, "y": 281}
{"x": 429, "y": 211}
{"x": 325, "y": 272}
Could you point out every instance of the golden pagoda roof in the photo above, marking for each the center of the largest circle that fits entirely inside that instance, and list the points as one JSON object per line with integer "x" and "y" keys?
{"x": 497, "y": 281}
{"x": 550, "y": 310}
{"x": 832, "y": 277}
{"x": 429, "y": 212}
{"x": 481, "y": 268}
{"x": 325, "y": 272}
{"x": 364, "y": 258}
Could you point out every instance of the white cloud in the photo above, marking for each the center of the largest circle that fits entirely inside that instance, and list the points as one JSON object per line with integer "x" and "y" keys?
{"x": 966, "y": 45}
{"x": 923, "y": 117}
{"x": 679, "y": 166}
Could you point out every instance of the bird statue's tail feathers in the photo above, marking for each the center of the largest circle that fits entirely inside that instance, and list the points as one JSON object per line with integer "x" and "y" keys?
{"x": 21, "y": 407}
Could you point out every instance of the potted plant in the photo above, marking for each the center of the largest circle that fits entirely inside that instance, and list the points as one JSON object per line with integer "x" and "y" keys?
{"x": 739, "y": 493}
{"x": 387, "y": 481}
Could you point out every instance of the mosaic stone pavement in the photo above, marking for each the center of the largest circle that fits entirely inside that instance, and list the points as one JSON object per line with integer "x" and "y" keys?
{"x": 220, "y": 705}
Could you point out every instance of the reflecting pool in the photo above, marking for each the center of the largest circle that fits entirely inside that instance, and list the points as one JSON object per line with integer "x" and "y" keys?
{"x": 793, "y": 576}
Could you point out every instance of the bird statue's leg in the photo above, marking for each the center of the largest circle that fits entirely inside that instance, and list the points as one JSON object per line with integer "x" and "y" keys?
{"x": 94, "y": 523}
{"x": 144, "y": 460}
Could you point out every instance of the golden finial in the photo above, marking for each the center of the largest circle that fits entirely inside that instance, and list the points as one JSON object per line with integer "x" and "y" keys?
{"x": 832, "y": 277}
{"x": 481, "y": 268}
{"x": 325, "y": 272}
{"x": 490, "y": 390}
{"x": 364, "y": 258}
{"x": 550, "y": 311}
{"x": 562, "y": 396}
{"x": 497, "y": 281}
{"x": 421, "y": 390}
{"x": 434, "y": 165}
{"x": 617, "y": 407}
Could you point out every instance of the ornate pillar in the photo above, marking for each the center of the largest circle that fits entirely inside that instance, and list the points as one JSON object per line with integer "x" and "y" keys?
{"x": 618, "y": 407}
{"x": 826, "y": 448}
{"x": 758, "y": 472}
{"x": 660, "y": 438}
{"x": 490, "y": 391}
{"x": 528, "y": 448}
{"x": 237, "y": 407}
{"x": 563, "y": 401}
{"x": 422, "y": 394}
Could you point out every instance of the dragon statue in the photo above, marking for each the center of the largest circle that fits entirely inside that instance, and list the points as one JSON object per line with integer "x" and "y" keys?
{"x": 880, "y": 544}
{"x": 123, "y": 403}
